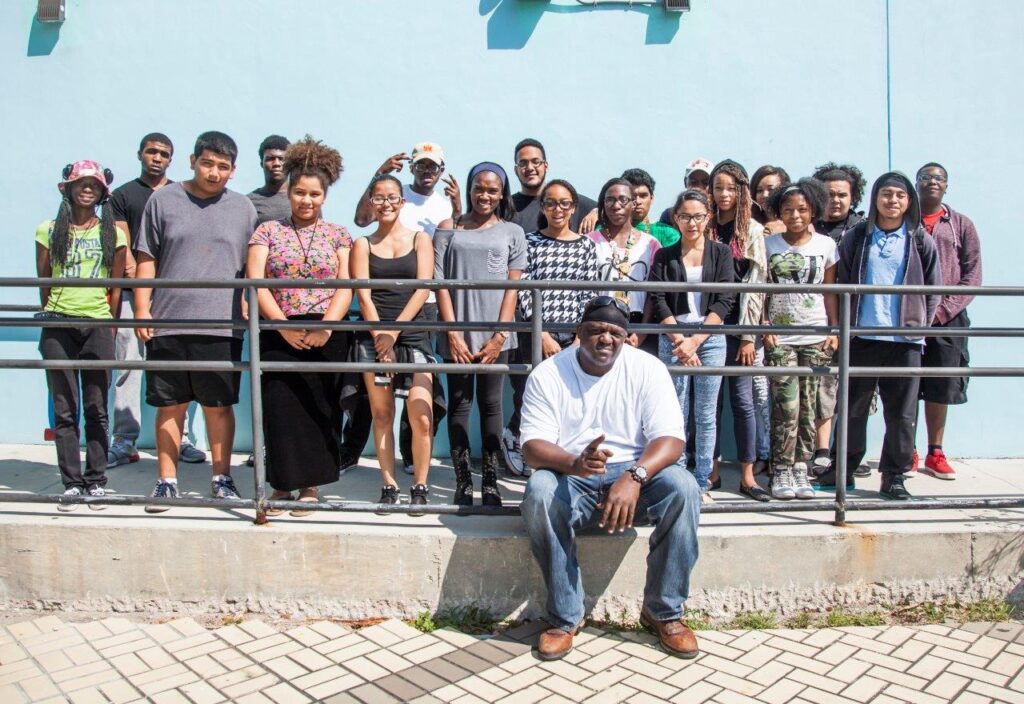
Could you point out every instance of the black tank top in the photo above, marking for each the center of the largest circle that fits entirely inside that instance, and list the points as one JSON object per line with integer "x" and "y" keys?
{"x": 389, "y": 303}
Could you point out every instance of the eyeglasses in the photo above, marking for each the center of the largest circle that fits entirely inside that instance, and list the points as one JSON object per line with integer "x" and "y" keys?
{"x": 427, "y": 167}
{"x": 381, "y": 200}
{"x": 602, "y": 301}
{"x": 563, "y": 204}
{"x": 620, "y": 200}
{"x": 526, "y": 163}
{"x": 687, "y": 219}
{"x": 926, "y": 178}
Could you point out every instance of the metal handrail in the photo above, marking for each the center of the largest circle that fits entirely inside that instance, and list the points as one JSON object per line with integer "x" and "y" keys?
{"x": 255, "y": 366}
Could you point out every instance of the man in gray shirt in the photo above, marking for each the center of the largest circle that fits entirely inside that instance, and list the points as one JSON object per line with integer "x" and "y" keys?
{"x": 271, "y": 199}
{"x": 196, "y": 229}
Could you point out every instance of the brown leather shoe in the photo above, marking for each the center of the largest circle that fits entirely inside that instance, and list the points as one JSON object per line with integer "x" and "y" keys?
{"x": 676, "y": 639}
{"x": 554, "y": 644}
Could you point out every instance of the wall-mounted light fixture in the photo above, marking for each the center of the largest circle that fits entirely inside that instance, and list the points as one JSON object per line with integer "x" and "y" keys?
{"x": 677, "y": 5}
{"x": 50, "y": 11}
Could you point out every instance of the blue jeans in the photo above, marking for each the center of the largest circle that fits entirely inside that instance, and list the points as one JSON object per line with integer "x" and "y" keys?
{"x": 705, "y": 407}
{"x": 556, "y": 505}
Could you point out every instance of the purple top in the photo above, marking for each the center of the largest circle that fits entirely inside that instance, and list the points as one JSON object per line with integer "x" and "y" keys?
{"x": 959, "y": 260}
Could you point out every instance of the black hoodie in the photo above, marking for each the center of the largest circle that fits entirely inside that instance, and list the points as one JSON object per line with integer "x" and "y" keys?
{"x": 916, "y": 311}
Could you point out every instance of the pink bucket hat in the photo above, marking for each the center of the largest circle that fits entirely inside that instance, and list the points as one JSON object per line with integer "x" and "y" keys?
{"x": 86, "y": 169}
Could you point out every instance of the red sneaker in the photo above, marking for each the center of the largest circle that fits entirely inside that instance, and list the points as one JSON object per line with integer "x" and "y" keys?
{"x": 936, "y": 465}
{"x": 913, "y": 465}
{"x": 49, "y": 434}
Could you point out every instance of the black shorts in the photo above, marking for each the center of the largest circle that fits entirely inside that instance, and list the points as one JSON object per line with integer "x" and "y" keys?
{"x": 213, "y": 389}
{"x": 946, "y": 352}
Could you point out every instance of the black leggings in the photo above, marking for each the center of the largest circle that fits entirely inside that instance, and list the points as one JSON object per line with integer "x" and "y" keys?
{"x": 488, "y": 389}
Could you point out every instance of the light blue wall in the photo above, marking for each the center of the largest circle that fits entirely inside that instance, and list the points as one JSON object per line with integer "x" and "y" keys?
{"x": 796, "y": 82}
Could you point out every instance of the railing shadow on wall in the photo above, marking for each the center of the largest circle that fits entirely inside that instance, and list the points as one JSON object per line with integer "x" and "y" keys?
{"x": 512, "y": 22}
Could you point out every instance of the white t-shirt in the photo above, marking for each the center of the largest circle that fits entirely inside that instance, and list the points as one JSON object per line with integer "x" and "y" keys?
{"x": 640, "y": 258}
{"x": 424, "y": 213}
{"x": 632, "y": 405}
{"x": 693, "y": 298}
{"x": 799, "y": 265}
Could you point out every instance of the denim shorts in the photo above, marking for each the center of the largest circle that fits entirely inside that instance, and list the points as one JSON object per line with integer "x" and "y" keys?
{"x": 366, "y": 354}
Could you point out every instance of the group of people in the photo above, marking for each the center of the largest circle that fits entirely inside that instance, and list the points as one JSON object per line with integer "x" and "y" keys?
{"x": 724, "y": 227}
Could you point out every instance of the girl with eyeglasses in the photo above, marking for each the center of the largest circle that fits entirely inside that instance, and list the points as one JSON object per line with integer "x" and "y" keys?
{"x": 624, "y": 253}
{"x": 395, "y": 251}
{"x": 553, "y": 252}
{"x": 733, "y": 224}
{"x": 302, "y": 410}
{"x": 482, "y": 245}
{"x": 696, "y": 259}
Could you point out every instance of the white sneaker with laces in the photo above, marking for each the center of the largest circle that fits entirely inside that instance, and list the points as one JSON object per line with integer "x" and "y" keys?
{"x": 802, "y": 488}
{"x": 68, "y": 508}
{"x": 98, "y": 492}
{"x": 782, "y": 483}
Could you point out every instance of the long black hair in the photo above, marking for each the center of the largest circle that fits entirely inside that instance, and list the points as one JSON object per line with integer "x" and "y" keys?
{"x": 542, "y": 221}
{"x": 604, "y": 191}
{"x": 60, "y": 237}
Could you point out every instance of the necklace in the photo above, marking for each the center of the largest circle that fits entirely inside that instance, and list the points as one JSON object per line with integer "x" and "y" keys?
{"x": 620, "y": 260}
{"x": 306, "y": 270}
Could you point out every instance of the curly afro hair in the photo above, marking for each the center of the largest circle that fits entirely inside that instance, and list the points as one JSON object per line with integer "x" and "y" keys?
{"x": 810, "y": 188}
{"x": 311, "y": 157}
{"x": 844, "y": 172}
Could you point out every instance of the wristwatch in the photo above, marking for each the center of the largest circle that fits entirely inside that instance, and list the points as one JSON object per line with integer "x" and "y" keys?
{"x": 503, "y": 334}
{"x": 639, "y": 474}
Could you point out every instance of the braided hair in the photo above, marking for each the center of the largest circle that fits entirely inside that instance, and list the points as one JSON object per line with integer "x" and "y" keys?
{"x": 743, "y": 204}
{"x": 311, "y": 157}
{"x": 60, "y": 236}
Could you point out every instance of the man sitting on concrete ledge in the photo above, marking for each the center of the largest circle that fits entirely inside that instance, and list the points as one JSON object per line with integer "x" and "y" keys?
{"x": 602, "y": 423}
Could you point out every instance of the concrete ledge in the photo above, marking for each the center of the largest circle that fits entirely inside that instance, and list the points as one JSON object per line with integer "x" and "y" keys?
{"x": 356, "y": 566}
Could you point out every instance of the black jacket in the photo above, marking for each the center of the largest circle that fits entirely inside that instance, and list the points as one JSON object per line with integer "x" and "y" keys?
{"x": 668, "y": 266}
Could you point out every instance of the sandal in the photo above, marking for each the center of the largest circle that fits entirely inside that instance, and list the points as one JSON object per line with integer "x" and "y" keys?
{"x": 307, "y": 499}
{"x": 276, "y": 495}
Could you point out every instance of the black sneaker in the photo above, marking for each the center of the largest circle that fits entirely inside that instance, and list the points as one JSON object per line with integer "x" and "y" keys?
{"x": 821, "y": 460}
{"x": 892, "y": 487}
{"x": 388, "y": 496}
{"x": 349, "y": 459}
{"x": 224, "y": 488}
{"x": 417, "y": 497}
{"x": 827, "y": 480}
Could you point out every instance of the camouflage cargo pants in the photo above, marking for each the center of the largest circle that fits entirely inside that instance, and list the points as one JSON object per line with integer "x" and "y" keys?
{"x": 794, "y": 402}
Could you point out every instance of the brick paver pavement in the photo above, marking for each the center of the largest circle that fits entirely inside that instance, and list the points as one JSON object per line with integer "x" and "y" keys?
{"x": 117, "y": 660}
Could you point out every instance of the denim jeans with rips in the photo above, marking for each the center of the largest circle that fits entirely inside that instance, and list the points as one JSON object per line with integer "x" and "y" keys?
{"x": 556, "y": 506}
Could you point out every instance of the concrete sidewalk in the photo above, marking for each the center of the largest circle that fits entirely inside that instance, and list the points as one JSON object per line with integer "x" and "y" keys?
{"x": 181, "y": 662}
{"x": 362, "y": 565}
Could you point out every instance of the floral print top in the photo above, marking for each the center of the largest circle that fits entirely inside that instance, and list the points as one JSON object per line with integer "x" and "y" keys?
{"x": 303, "y": 253}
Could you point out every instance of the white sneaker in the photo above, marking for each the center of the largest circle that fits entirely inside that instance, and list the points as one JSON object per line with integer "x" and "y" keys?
{"x": 513, "y": 453}
{"x": 99, "y": 492}
{"x": 782, "y": 483}
{"x": 68, "y": 508}
{"x": 706, "y": 498}
{"x": 801, "y": 487}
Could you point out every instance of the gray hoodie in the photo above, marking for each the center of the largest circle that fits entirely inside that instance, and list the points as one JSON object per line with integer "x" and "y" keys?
{"x": 916, "y": 311}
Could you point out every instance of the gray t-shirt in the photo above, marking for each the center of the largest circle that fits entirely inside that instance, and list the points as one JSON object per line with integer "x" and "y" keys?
{"x": 275, "y": 207}
{"x": 192, "y": 238}
{"x": 482, "y": 255}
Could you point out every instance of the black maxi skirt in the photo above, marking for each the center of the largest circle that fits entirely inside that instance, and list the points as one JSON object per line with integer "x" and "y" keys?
{"x": 302, "y": 412}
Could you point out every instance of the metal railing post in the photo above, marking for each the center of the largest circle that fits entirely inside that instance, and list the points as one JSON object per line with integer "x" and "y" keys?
{"x": 537, "y": 347}
{"x": 842, "y": 407}
{"x": 259, "y": 465}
